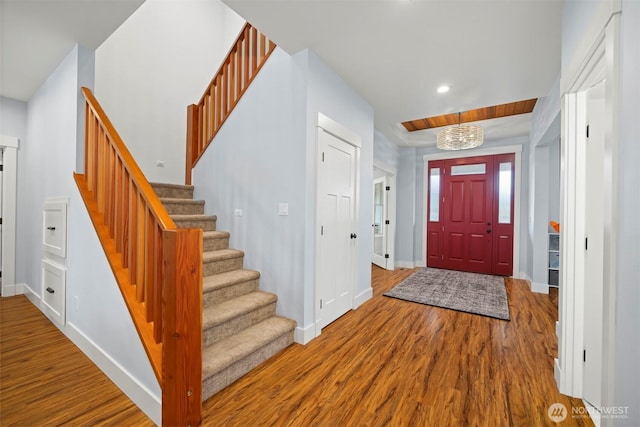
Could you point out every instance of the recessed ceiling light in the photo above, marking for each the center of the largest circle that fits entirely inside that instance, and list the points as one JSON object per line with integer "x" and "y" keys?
{"x": 443, "y": 89}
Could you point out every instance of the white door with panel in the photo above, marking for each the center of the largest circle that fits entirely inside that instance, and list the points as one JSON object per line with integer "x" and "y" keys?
{"x": 594, "y": 247}
{"x": 337, "y": 219}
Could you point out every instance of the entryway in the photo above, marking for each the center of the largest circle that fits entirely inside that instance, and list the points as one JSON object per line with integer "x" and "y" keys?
{"x": 470, "y": 214}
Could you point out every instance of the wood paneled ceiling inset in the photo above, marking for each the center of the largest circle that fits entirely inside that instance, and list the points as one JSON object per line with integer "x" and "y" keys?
{"x": 486, "y": 113}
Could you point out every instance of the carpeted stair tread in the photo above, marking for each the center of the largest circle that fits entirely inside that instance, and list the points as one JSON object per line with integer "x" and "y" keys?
{"x": 230, "y": 278}
{"x": 172, "y": 190}
{"x": 223, "y": 353}
{"x": 183, "y": 206}
{"x": 221, "y": 255}
{"x": 225, "y": 311}
{"x": 215, "y": 234}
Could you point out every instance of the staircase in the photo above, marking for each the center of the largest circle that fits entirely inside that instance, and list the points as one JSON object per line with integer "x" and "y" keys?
{"x": 240, "y": 326}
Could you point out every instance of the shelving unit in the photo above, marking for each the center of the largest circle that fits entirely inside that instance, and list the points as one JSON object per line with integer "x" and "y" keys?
{"x": 554, "y": 259}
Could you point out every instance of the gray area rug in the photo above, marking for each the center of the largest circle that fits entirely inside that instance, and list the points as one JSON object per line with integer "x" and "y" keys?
{"x": 469, "y": 292}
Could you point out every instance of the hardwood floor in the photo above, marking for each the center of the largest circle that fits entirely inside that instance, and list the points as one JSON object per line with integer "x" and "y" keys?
{"x": 389, "y": 362}
{"x": 46, "y": 380}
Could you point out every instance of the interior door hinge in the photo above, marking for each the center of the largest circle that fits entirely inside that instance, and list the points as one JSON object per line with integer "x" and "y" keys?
{"x": 584, "y": 355}
{"x": 323, "y": 156}
{"x": 320, "y": 302}
{"x": 322, "y": 230}
{"x": 586, "y": 243}
{"x": 587, "y": 131}
{"x": 1, "y": 168}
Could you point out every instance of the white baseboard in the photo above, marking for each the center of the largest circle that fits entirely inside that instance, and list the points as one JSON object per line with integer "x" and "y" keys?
{"x": 557, "y": 372}
{"x": 405, "y": 264}
{"x": 304, "y": 335}
{"x": 362, "y": 297}
{"x": 422, "y": 264}
{"x": 147, "y": 401}
{"x": 594, "y": 413}
{"x": 31, "y": 295}
{"x": 541, "y": 288}
{"x": 522, "y": 275}
{"x": 13, "y": 289}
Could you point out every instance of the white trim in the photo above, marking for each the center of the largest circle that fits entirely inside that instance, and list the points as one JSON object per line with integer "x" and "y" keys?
{"x": 362, "y": 297}
{"x": 304, "y": 335}
{"x": 9, "y": 145}
{"x": 31, "y": 295}
{"x": 339, "y": 131}
{"x": 488, "y": 151}
{"x": 405, "y": 264}
{"x": 147, "y": 401}
{"x": 540, "y": 288}
{"x": 601, "y": 62}
{"x": 8, "y": 141}
{"x": 389, "y": 170}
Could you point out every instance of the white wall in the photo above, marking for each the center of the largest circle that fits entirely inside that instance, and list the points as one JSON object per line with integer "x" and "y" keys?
{"x": 152, "y": 67}
{"x": 13, "y": 118}
{"x": 406, "y": 208}
{"x": 265, "y": 154}
{"x": 330, "y": 95}
{"x": 97, "y": 320}
{"x": 384, "y": 150}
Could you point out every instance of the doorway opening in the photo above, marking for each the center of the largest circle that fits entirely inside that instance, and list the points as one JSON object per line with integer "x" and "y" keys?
{"x": 470, "y": 205}
{"x": 384, "y": 217}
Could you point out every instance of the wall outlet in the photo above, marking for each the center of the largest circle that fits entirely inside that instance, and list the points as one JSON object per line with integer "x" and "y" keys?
{"x": 160, "y": 163}
{"x": 283, "y": 209}
{"x": 237, "y": 212}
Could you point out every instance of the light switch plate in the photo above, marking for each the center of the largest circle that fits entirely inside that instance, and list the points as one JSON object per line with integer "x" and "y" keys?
{"x": 283, "y": 209}
{"x": 237, "y": 212}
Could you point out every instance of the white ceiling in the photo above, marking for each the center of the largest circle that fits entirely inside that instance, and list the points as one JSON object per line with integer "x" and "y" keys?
{"x": 35, "y": 35}
{"x": 395, "y": 53}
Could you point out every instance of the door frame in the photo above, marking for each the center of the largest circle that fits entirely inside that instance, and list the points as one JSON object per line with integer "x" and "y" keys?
{"x": 328, "y": 125}
{"x": 602, "y": 61}
{"x": 9, "y": 145}
{"x": 390, "y": 173}
{"x": 488, "y": 151}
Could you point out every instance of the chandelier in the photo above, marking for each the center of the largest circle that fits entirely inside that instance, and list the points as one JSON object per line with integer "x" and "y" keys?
{"x": 460, "y": 137}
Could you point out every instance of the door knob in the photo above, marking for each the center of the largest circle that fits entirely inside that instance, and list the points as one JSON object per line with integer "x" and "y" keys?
{"x": 488, "y": 231}
{"x": 354, "y": 235}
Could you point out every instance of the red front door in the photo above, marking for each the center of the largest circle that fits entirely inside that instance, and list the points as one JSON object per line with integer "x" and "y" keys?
{"x": 470, "y": 214}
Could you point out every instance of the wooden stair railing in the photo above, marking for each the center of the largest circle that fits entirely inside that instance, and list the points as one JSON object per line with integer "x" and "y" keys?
{"x": 158, "y": 267}
{"x": 204, "y": 119}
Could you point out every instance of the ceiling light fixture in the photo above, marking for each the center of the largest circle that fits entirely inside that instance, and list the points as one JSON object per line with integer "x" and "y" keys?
{"x": 460, "y": 137}
{"x": 443, "y": 89}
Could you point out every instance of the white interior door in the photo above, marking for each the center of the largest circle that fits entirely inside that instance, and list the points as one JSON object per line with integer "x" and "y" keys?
{"x": 337, "y": 238}
{"x": 594, "y": 247}
{"x": 380, "y": 222}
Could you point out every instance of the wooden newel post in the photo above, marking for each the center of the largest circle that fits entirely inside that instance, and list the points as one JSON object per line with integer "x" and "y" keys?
{"x": 182, "y": 328}
{"x": 192, "y": 141}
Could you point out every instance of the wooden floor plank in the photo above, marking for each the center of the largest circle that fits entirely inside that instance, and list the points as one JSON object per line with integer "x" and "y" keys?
{"x": 390, "y": 362}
